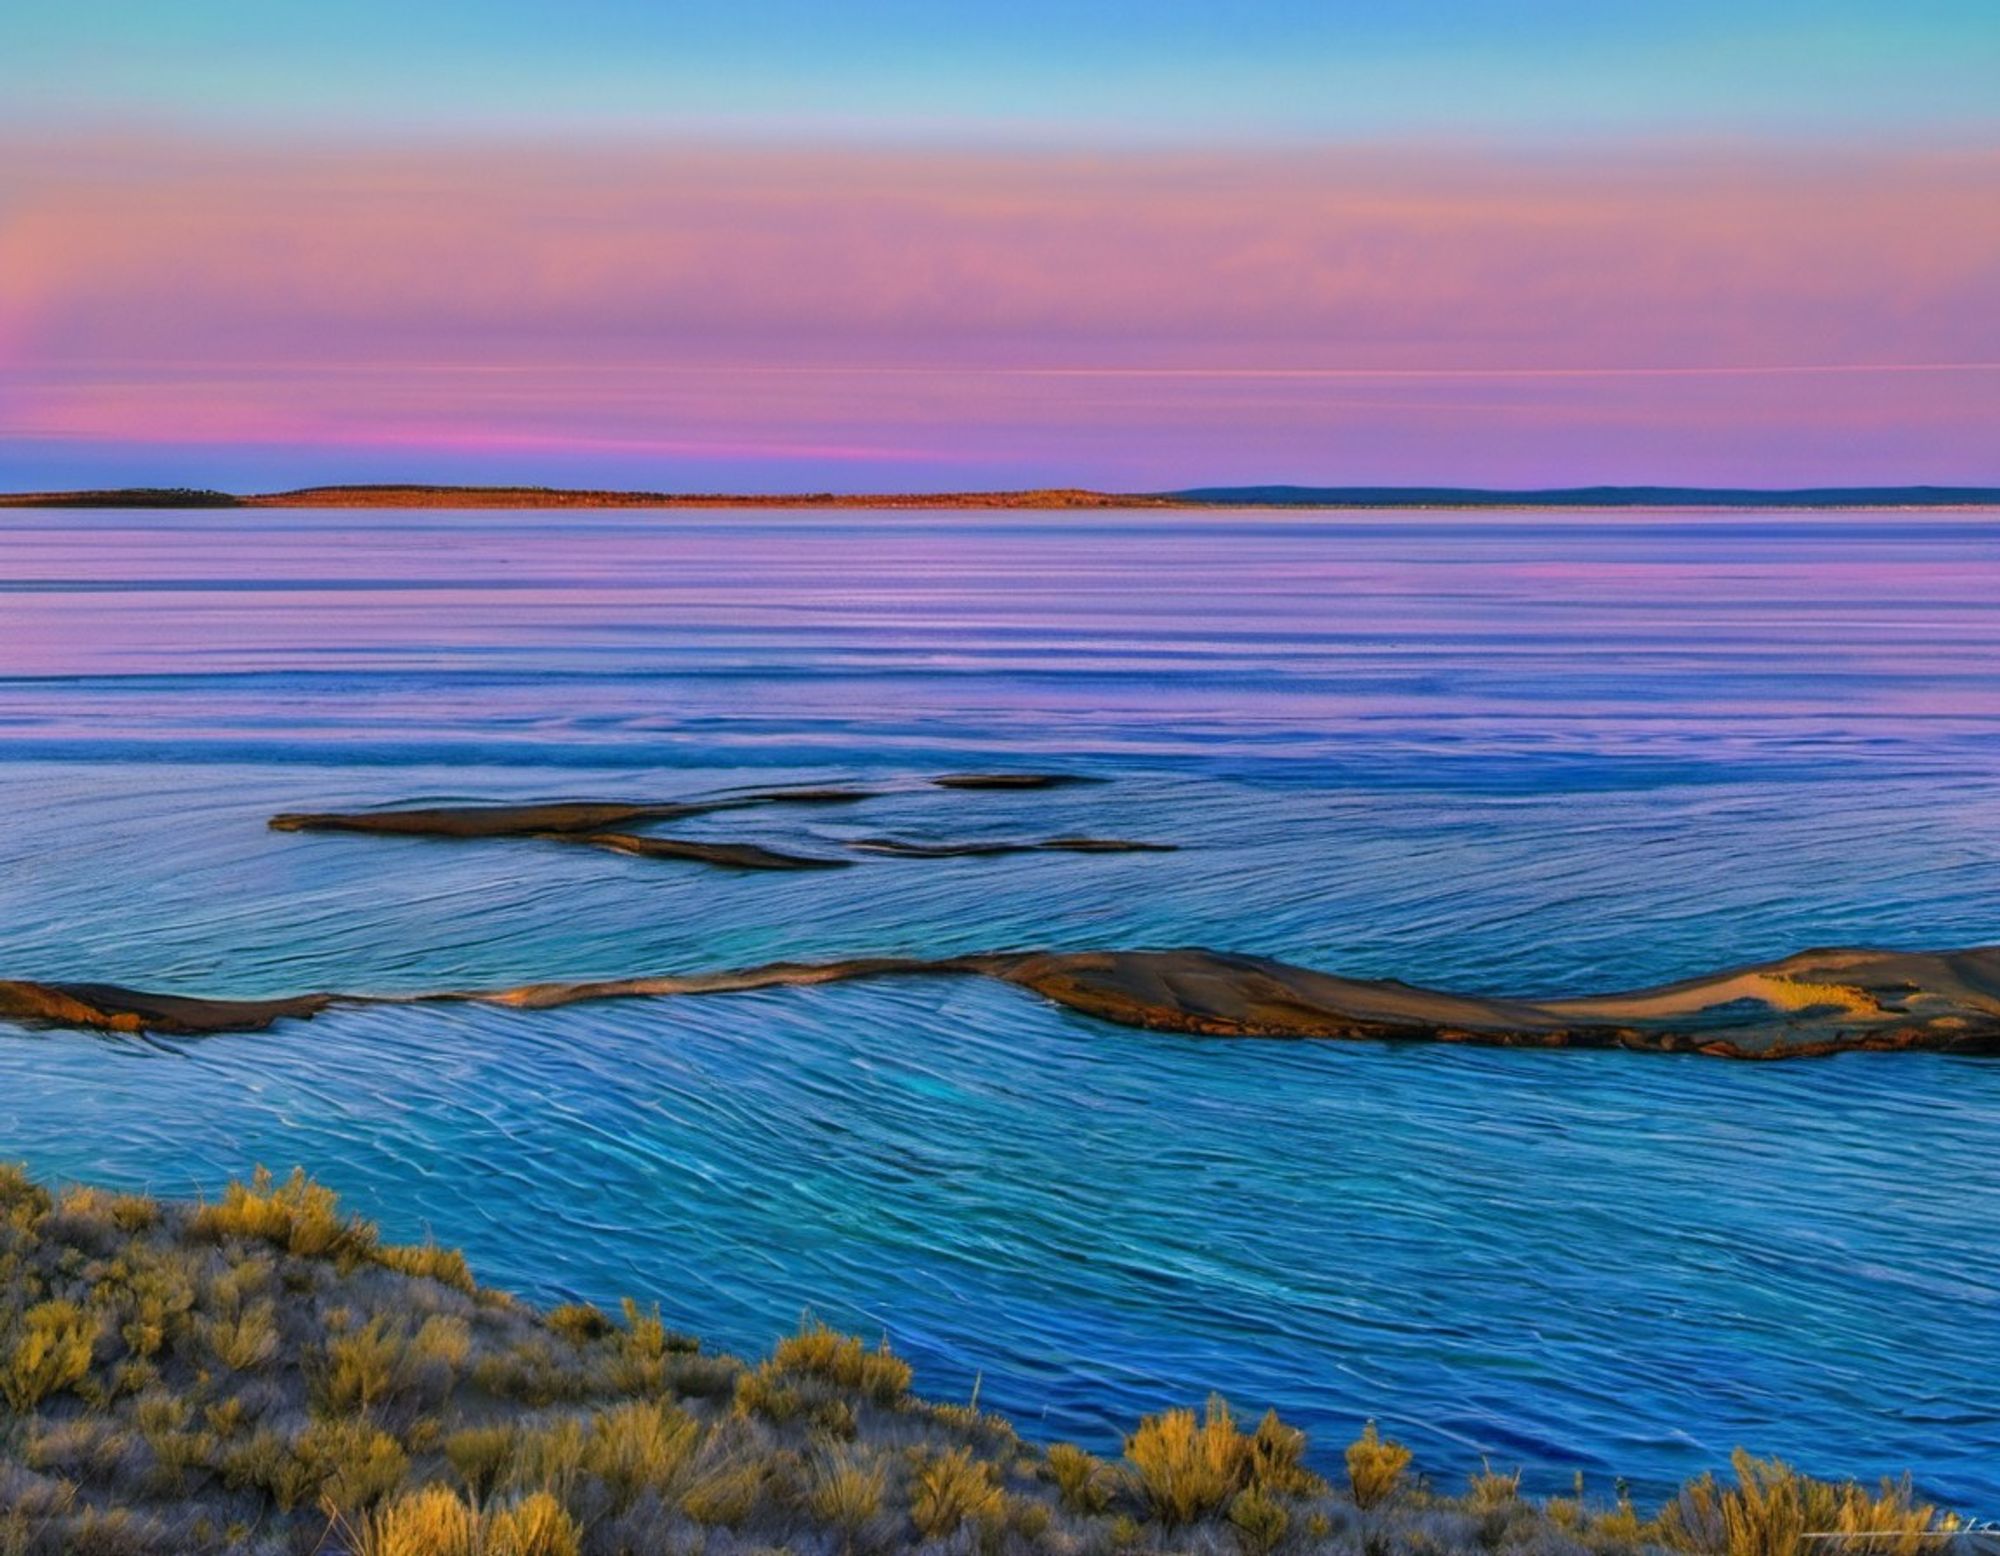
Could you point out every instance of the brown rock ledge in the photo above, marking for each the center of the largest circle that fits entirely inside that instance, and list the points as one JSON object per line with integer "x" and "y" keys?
{"x": 561, "y": 817}
{"x": 1808, "y": 1005}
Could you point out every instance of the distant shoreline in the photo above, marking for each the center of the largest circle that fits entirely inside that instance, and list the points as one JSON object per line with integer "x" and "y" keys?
{"x": 1352, "y": 498}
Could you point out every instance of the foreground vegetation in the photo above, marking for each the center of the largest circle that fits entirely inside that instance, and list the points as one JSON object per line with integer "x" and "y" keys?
{"x": 263, "y": 1374}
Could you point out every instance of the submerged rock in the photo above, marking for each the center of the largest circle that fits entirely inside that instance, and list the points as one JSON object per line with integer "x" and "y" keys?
{"x": 559, "y": 817}
{"x": 976, "y": 849}
{"x": 1011, "y": 780}
{"x": 482, "y": 820}
{"x": 731, "y": 856}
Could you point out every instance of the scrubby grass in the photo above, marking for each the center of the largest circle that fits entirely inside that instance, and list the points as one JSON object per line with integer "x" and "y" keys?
{"x": 1374, "y": 1467}
{"x": 262, "y": 1375}
{"x": 1772, "y": 1509}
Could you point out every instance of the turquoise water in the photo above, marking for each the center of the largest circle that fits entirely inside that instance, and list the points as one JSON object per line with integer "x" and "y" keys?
{"x": 1510, "y": 753}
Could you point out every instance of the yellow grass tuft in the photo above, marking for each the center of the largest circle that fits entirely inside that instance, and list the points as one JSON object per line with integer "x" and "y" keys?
{"x": 48, "y": 1350}
{"x": 1260, "y": 1521}
{"x": 480, "y": 1456}
{"x": 725, "y": 1494}
{"x": 1375, "y": 1467}
{"x": 819, "y": 1351}
{"x": 1490, "y": 1489}
{"x": 434, "y": 1521}
{"x": 299, "y": 1216}
{"x": 537, "y": 1525}
{"x": 846, "y": 1492}
{"x": 638, "y": 1447}
{"x": 948, "y": 1489}
{"x": 427, "y": 1261}
{"x": 1772, "y": 1509}
{"x": 1189, "y": 1469}
{"x": 1083, "y": 1480}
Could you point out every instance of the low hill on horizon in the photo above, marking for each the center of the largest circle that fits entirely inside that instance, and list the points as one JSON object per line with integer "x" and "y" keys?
{"x": 1043, "y": 498}
{"x": 1592, "y": 497}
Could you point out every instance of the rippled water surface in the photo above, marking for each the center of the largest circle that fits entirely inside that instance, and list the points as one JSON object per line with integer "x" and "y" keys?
{"x": 1513, "y": 753}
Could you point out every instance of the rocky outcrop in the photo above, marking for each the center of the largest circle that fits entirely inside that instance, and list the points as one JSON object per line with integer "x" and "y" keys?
{"x": 106, "y": 1007}
{"x": 1812, "y": 1004}
{"x": 1815, "y": 1003}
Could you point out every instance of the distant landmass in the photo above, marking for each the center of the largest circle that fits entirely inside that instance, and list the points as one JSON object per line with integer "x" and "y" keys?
{"x": 1362, "y": 497}
{"x": 1592, "y": 497}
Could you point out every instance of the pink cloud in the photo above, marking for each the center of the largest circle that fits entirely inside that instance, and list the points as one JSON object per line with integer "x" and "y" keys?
{"x": 1123, "y": 311}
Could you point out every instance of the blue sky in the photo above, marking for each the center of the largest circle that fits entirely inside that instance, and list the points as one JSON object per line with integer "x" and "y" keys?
{"x": 1114, "y": 71}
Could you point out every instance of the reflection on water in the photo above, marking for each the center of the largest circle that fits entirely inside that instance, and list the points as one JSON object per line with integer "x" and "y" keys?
{"x": 1510, "y": 753}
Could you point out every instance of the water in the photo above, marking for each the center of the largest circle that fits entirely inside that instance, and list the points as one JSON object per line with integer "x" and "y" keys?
{"x": 1512, "y": 753}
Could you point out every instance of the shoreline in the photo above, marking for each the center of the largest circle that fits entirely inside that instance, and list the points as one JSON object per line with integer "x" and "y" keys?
{"x": 263, "y": 1373}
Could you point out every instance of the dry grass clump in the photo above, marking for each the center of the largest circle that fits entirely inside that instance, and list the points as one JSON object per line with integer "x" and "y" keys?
{"x": 1772, "y": 1510}
{"x": 842, "y": 1360}
{"x": 1084, "y": 1482}
{"x": 48, "y": 1348}
{"x": 426, "y": 1261}
{"x": 262, "y": 1376}
{"x": 846, "y": 1493}
{"x": 1190, "y": 1470}
{"x": 1375, "y": 1467}
{"x": 299, "y": 1216}
{"x": 437, "y": 1521}
{"x": 641, "y": 1446}
{"x": 951, "y": 1489}
{"x": 1490, "y": 1489}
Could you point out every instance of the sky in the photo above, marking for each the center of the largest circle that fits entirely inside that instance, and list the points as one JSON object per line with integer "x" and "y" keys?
{"x": 894, "y": 246}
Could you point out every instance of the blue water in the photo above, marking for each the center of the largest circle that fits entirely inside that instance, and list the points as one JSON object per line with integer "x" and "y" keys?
{"x": 1511, "y": 753}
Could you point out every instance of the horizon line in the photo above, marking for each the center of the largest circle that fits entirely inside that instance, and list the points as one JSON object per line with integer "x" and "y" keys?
{"x": 1277, "y": 495}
